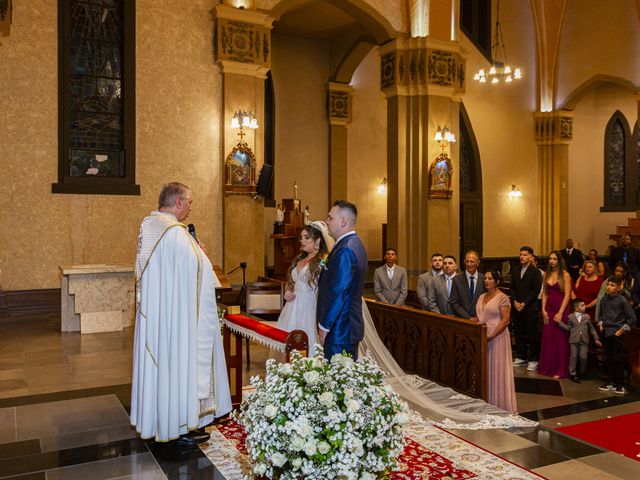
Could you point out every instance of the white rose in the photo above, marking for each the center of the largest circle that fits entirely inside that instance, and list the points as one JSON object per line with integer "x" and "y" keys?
{"x": 260, "y": 469}
{"x": 323, "y": 447}
{"x": 311, "y": 377}
{"x": 337, "y": 358}
{"x": 304, "y": 430}
{"x": 297, "y": 443}
{"x": 353, "y": 405}
{"x": 310, "y": 448}
{"x": 286, "y": 369}
{"x": 278, "y": 459}
{"x": 326, "y": 399}
{"x": 367, "y": 476}
{"x": 348, "y": 393}
{"x": 387, "y": 388}
{"x": 401, "y": 418}
{"x": 270, "y": 411}
{"x": 296, "y": 462}
{"x": 316, "y": 362}
{"x": 347, "y": 362}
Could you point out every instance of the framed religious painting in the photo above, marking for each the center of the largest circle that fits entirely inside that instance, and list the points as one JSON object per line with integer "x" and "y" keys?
{"x": 440, "y": 174}
{"x": 240, "y": 171}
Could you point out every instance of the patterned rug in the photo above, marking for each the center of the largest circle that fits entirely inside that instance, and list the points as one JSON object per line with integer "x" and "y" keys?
{"x": 430, "y": 452}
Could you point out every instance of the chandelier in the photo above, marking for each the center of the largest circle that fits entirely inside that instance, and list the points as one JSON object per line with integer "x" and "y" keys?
{"x": 499, "y": 71}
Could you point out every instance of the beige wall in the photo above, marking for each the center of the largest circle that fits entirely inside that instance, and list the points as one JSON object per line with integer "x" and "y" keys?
{"x": 300, "y": 70}
{"x": 367, "y": 153}
{"x": 394, "y": 11}
{"x": 610, "y": 31}
{"x": 177, "y": 139}
{"x": 587, "y": 225}
{"x": 502, "y": 119}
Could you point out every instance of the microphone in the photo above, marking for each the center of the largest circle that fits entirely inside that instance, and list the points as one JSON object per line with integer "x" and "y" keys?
{"x": 192, "y": 231}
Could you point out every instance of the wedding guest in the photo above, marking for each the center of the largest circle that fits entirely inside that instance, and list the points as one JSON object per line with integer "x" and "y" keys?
{"x": 593, "y": 255}
{"x": 587, "y": 288}
{"x": 467, "y": 287}
{"x": 573, "y": 259}
{"x": 554, "y": 349}
{"x": 493, "y": 310}
{"x": 579, "y": 327}
{"x": 625, "y": 287}
{"x": 617, "y": 318}
{"x": 440, "y": 288}
{"x": 426, "y": 278}
{"x": 526, "y": 282}
{"x": 626, "y": 253}
{"x": 390, "y": 280}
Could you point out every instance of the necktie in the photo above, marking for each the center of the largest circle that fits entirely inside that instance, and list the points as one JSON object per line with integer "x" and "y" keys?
{"x": 624, "y": 256}
{"x": 390, "y": 273}
{"x": 448, "y": 286}
{"x": 471, "y": 286}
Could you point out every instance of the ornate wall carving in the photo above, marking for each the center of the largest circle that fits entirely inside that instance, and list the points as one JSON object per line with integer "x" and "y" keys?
{"x": 339, "y": 101}
{"x": 554, "y": 127}
{"x": 422, "y": 67}
{"x": 242, "y": 42}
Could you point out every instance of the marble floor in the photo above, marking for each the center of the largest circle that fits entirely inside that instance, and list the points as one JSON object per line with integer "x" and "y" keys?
{"x": 64, "y": 401}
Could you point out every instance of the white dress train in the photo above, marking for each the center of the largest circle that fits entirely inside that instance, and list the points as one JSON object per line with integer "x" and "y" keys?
{"x": 300, "y": 314}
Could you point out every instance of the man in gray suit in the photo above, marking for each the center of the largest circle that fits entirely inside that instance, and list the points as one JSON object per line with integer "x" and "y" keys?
{"x": 390, "y": 280}
{"x": 426, "y": 278}
{"x": 439, "y": 288}
{"x": 467, "y": 287}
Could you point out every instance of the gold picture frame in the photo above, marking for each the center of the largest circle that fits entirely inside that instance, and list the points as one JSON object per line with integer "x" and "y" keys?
{"x": 240, "y": 171}
{"x": 440, "y": 175}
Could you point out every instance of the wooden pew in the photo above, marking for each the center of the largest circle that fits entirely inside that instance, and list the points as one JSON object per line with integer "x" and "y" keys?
{"x": 448, "y": 350}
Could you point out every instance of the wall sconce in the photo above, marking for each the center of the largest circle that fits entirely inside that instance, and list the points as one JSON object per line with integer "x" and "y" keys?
{"x": 382, "y": 188}
{"x": 242, "y": 119}
{"x": 444, "y": 136}
{"x": 515, "y": 192}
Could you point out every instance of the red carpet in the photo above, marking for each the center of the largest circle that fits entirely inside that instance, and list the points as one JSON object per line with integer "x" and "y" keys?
{"x": 618, "y": 434}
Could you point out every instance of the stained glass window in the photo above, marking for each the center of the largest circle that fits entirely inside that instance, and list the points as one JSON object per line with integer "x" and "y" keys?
{"x": 615, "y": 167}
{"x": 97, "y": 118}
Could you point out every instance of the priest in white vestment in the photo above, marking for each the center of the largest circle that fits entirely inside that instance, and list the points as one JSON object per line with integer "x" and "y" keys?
{"x": 179, "y": 380}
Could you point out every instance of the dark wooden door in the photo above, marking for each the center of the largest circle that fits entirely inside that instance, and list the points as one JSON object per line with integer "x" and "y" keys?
{"x": 470, "y": 225}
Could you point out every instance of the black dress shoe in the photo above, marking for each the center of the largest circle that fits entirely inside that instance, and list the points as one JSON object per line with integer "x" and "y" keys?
{"x": 192, "y": 439}
{"x": 574, "y": 378}
{"x": 199, "y": 436}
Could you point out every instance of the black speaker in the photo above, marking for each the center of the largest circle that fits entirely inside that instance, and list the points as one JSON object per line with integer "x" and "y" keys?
{"x": 264, "y": 180}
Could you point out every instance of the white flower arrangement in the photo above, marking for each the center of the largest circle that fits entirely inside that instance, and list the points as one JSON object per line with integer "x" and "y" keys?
{"x": 315, "y": 419}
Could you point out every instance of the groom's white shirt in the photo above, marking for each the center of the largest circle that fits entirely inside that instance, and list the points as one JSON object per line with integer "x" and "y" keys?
{"x": 352, "y": 232}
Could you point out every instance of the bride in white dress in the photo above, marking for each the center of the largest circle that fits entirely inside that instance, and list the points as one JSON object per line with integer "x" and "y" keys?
{"x": 301, "y": 294}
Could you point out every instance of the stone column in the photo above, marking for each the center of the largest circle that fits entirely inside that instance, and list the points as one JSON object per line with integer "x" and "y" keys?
{"x": 243, "y": 53}
{"x": 422, "y": 79}
{"x": 553, "y": 135}
{"x": 339, "y": 101}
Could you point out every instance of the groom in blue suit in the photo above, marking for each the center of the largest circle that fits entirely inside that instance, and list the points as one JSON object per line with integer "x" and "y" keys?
{"x": 339, "y": 314}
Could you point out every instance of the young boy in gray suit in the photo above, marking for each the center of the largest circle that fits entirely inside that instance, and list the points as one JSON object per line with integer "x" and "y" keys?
{"x": 579, "y": 326}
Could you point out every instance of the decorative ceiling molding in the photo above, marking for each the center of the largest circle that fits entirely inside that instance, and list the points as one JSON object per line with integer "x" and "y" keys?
{"x": 548, "y": 16}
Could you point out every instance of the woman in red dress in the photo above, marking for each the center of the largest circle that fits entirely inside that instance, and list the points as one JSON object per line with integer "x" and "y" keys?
{"x": 587, "y": 288}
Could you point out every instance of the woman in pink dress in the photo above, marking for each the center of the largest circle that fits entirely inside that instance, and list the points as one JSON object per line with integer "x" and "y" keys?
{"x": 556, "y": 291}
{"x": 494, "y": 309}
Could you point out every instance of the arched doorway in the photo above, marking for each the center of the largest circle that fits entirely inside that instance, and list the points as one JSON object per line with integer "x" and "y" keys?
{"x": 470, "y": 188}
